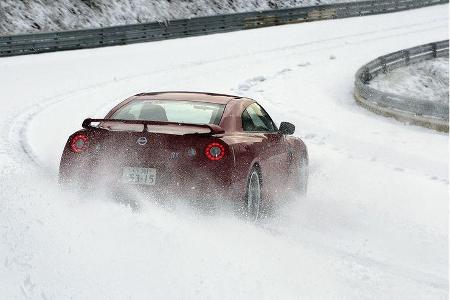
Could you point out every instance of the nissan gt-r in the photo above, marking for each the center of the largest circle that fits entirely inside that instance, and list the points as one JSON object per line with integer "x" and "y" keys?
{"x": 195, "y": 144}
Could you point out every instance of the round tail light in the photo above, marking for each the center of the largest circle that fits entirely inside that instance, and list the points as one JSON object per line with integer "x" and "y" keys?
{"x": 79, "y": 143}
{"x": 215, "y": 151}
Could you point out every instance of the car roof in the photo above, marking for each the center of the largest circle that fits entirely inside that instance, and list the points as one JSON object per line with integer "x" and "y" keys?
{"x": 188, "y": 96}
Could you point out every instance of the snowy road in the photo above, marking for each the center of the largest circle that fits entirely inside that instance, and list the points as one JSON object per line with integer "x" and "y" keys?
{"x": 374, "y": 224}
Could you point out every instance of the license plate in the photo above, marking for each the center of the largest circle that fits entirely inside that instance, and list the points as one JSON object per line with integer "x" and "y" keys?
{"x": 135, "y": 175}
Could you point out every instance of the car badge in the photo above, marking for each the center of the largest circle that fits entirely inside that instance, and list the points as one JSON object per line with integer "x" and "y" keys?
{"x": 142, "y": 141}
{"x": 175, "y": 155}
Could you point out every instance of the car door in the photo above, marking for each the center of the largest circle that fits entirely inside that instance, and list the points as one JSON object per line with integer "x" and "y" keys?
{"x": 272, "y": 149}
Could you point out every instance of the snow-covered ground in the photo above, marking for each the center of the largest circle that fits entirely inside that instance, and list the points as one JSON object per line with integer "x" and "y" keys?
{"x": 427, "y": 80}
{"x": 34, "y": 16}
{"x": 374, "y": 224}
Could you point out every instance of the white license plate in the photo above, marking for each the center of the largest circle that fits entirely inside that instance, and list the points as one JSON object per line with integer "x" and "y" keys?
{"x": 134, "y": 175}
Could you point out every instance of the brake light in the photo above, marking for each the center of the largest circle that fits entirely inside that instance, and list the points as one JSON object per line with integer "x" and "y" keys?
{"x": 79, "y": 143}
{"x": 215, "y": 151}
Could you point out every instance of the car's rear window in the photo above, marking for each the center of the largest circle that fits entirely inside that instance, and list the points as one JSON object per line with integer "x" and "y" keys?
{"x": 172, "y": 111}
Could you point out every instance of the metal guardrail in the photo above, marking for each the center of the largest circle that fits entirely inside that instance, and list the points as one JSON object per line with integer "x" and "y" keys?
{"x": 128, "y": 34}
{"x": 430, "y": 114}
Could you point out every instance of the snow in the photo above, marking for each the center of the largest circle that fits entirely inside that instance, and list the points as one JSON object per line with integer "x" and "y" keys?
{"x": 34, "y": 16}
{"x": 426, "y": 80}
{"x": 374, "y": 224}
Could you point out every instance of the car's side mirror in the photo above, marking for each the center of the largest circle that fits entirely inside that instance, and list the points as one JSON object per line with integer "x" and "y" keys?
{"x": 286, "y": 128}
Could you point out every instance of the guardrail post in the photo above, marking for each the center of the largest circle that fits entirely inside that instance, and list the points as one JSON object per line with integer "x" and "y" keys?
{"x": 9, "y": 45}
{"x": 366, "y": 76}
{"x": 145, "y": 31}
{"x": 56, "y": 39}
{"x": 165, "y": 34}
{"x": 434, "y": 49}
{"x": 383, "y": 65}
{"x": 407, "y": 56}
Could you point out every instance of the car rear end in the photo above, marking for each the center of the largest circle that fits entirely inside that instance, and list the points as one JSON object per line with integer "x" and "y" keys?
{"x": 165, "y": 160}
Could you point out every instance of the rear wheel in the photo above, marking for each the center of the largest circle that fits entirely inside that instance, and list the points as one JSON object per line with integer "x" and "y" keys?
{"x": 253, "y": 195}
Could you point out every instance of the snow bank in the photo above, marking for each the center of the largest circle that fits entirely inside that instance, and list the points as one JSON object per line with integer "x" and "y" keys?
{"x": 44, "y": 15}
{"x": 427, "y": 80}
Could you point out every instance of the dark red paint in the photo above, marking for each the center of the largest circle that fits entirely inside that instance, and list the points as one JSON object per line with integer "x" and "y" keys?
{"x": 113, "y": 145}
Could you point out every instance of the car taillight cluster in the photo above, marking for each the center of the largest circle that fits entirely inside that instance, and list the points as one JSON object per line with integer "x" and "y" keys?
{"x": 79, "y": 143}
{"x": 215, "y": 151}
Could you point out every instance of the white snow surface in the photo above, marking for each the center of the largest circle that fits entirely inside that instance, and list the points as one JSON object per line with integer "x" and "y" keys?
{"x": 373, "y": 226}
{"x": 28, "y": 16}
{"x": 426, "y": 80}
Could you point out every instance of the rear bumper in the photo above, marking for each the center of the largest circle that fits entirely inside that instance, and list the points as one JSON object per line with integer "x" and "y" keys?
{"x": 193, "y": 182}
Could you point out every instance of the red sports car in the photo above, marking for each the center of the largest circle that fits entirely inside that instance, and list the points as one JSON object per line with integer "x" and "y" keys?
{"x": 189, "y": 144}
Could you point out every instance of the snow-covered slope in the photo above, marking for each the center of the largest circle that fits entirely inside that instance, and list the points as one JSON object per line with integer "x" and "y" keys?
{"x": 373, "y": 226}
{"x": 44, "y": 15}
{"x": 427, "y": 80}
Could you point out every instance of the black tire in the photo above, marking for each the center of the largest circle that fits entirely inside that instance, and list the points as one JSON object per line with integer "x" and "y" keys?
{"x": 253, "y": 193}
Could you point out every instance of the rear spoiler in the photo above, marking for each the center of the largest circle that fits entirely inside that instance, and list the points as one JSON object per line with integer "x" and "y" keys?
{"x": 214, "y": 129}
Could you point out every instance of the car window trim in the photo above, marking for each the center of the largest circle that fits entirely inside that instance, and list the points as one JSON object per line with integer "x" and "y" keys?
{"x": 270, "y": 118}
